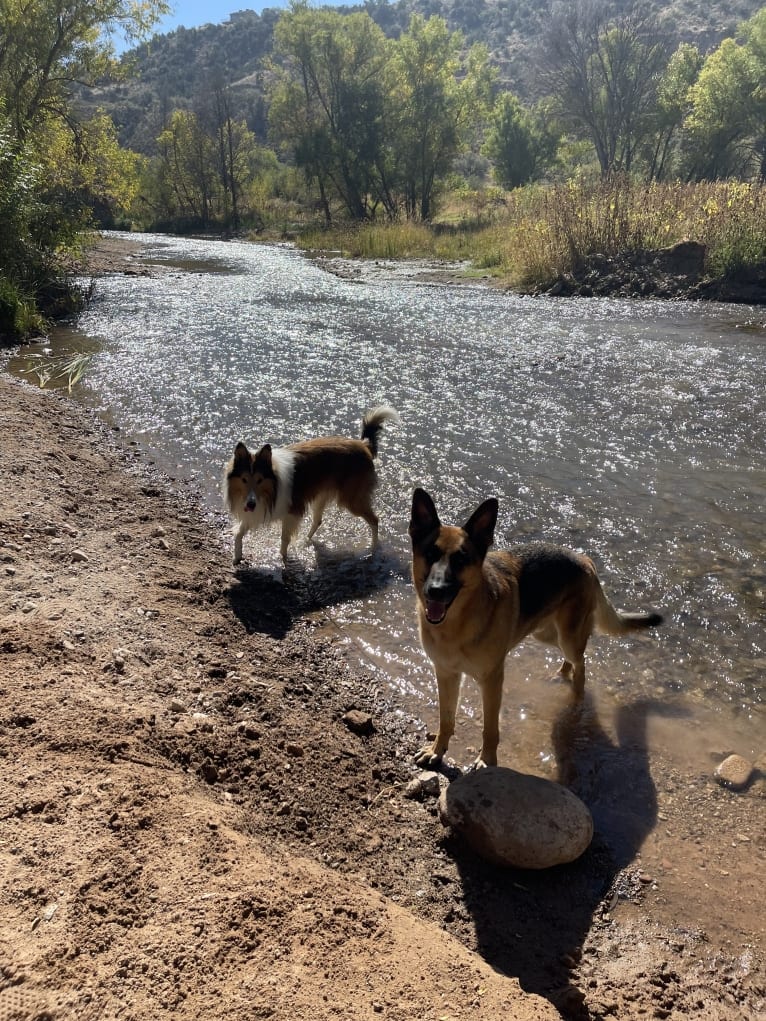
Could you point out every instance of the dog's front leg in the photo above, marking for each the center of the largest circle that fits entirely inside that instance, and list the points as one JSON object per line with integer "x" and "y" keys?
{"x": 491, "y": 686}
{"x": 290, "y": 525}
{"x": 238, "y": 537}
{"x": 448, "y": 682}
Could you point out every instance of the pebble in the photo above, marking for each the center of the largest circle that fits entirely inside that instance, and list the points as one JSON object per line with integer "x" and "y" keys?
{"x": 359, "y": 722}
{"x": 515, "y": 819}
{"x": 80, "y": 556}
{"x": 177, "y": 706}
{"x": 734, "y": 772}
{"x": 426, "y": 785}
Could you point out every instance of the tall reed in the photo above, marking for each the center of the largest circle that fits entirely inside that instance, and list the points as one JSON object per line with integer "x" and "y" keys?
{"x": 537, "y": 233}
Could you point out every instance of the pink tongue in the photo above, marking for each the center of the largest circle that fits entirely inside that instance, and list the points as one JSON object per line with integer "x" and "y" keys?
{"x": 435, "y": 610}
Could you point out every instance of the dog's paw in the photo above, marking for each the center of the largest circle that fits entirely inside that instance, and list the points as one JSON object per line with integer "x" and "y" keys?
{"x": 427, "y": 758}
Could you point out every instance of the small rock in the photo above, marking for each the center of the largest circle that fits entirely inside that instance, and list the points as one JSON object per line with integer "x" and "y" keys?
{"x": 296, "y": 750}
{"x": 514, "y": 819}
{"x": 734, "y": 772}
{"x": 176, "y": 706}
{"x": 359, "y": 722}
{"x": 426, "y": 785}
{"x": 79, "y": 556}
{"x": 119, "y": 657}
{"x": 164, "y": 544}
{"x": 158, "y": 531}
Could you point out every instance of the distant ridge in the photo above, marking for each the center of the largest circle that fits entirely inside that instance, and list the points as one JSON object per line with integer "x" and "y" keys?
{"x": 175, "y": 68}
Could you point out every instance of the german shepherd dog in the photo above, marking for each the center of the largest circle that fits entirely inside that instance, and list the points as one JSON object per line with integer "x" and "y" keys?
{"x": 474, "y": 606}
{"x": 281, "y": 483}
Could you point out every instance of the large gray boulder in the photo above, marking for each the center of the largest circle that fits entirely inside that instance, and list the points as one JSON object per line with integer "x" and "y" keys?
{"x": 515, "y": 819}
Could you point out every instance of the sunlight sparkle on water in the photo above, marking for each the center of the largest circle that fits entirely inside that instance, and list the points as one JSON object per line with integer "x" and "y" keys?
{"x": 632, "y": 430}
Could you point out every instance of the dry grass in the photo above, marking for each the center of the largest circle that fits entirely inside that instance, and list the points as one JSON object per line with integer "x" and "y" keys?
{"x": 534, "y": 234}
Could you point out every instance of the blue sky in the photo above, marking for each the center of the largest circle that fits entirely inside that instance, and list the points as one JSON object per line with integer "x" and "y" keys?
{"x": 191, "y": 13}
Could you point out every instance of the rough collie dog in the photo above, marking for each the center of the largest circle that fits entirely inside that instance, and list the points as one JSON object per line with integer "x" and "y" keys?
{"x": 281, "y": 483}
{"x": 475, "y": 605}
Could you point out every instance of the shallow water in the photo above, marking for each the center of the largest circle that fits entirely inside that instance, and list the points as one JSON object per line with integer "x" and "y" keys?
{"x": 631, "y": 430}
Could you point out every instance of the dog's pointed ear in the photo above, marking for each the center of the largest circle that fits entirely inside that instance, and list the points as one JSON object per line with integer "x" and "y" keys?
{"x": 264, "y": 454}
{"x": 424, "y": 518}
{"x": 241, "y": 452}
{"x": 480, "y": 527}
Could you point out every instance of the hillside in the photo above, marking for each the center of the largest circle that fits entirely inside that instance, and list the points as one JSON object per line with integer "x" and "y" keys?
{"x": 178, "y": 68}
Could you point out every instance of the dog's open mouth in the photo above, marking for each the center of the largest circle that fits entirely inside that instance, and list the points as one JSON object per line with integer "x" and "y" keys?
{"x": 250, "y": 505}
{"x": 436, "y": 610}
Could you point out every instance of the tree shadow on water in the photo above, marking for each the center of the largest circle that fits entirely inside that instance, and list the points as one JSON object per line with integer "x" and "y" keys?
{"x": 532, "y": 924}
{"x": 269, "y": 600}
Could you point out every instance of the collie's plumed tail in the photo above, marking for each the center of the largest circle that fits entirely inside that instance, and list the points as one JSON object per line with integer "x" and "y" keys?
{"x": 372, "y": 423}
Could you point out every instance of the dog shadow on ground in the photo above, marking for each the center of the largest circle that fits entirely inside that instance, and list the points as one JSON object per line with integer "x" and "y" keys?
{"x": 531, "y": 924}
{"x": 270, "y": 600}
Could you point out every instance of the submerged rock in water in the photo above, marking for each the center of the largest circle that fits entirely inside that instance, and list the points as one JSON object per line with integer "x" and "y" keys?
{"x": 515, "y": 819}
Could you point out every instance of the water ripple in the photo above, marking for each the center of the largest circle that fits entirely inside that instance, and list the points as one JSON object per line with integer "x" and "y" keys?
{"x": 633, "y": 430}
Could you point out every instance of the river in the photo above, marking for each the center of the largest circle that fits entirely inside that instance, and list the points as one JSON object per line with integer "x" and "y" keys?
{"x": 632, "y": 430}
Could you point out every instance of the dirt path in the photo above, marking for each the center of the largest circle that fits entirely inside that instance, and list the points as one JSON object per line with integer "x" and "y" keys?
{"x": 190, "y": 828}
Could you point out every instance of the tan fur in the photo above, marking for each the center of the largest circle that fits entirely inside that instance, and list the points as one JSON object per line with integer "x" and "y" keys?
{"x": 474, "y": 606}
{"x": 281, "y": 484}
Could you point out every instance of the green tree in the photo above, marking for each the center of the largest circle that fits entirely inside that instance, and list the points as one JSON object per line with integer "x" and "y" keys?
{"x": 510, "y": 142}
{"x": 370, "y": 122}
{"x": 188, "y": 168}
{"x": 326, "y": 106}
{"x": 235, "y": 145}
{"x": 84, "y": 168}
{"x": 726, "y": 128}
{"x": 603, "y": 73}
{"x": 673, "y": 104}
{"x": 46, "y": 48}
{"x": 435, "y": 101}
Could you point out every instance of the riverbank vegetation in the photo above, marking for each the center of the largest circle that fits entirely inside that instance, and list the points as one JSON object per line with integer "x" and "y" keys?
{"x": 534, "y": 236}
{"x": 409, "y": 144}
{"x": 57, "y": 170}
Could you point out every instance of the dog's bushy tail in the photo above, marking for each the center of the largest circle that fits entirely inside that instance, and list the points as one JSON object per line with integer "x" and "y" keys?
{"x": 372, "y": 423}
{"x": 615, "y": 622}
